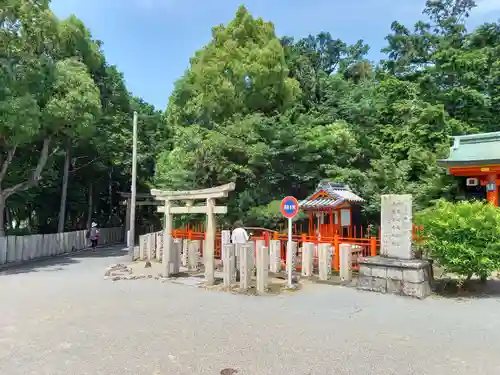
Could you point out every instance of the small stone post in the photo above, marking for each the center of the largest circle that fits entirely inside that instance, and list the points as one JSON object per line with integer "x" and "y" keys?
{"x": 324, "y": 261}
{"x": 167, "y": 240}
{"x": 245, "y": 266}
{"x": 307, "y": 259}
{"x": 159, "y": 245}
{"x": 262, "y": 268}
{"x": 228, "y": 265}
{"x": 150, "y": 246}
{"x": 275, "y": 256}
{"x": 185, "y": 245}
{"x": 194, "y": 255}
{"x": 175, "y": 267}
{"x": 225, "y": 237}
{"x": 345, "y": 262}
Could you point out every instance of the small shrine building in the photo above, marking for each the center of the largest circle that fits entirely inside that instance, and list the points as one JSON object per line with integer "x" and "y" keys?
{"x": 332, "y": 208}
{"x": 477, "y": 157}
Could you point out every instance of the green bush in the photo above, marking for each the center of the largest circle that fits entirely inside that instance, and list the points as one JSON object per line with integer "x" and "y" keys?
{"x": 463, "y": 237}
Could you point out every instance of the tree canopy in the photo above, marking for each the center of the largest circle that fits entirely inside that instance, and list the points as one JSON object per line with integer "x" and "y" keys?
{"x": 64, "y": 111}
{"x": 277, "y": 115}
{"x": 273, "y": 114}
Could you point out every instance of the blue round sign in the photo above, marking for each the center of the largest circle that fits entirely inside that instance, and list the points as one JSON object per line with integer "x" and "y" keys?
{"x": 289, "y": 207}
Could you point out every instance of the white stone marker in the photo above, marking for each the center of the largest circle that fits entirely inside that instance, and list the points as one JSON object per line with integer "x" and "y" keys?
{"x": 245, "y": 266}
{"x": 262, "y": 260}
{"x": 275, "y": 256}
{"x": 396, "y": 222}
{"x": 228, "y": 265}
{"x": 307, "y": 259}
{"x": 324, "y": 261}
{"x": 345, "y": 262}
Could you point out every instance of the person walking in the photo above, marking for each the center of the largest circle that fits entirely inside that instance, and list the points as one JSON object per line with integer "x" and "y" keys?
{"x": 239, "y": 237}
{"x": 94, "y": 236}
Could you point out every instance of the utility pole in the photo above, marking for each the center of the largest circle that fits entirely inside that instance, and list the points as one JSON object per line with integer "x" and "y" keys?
{"x": 131, "y": 234}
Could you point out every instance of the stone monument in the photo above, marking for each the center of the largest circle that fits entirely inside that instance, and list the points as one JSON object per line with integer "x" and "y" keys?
{"x": 396, "y": 270}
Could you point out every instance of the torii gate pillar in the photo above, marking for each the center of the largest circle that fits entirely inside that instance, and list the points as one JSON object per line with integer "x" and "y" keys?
{"x": 210, "y": 209}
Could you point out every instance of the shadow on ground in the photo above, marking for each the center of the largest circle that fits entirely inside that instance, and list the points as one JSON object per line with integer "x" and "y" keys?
{"x": 58, "y": 263}
{"x": 451, "y": 288}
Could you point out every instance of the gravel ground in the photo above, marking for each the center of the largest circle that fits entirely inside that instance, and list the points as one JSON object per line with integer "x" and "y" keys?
{"x": 61, "y": 317}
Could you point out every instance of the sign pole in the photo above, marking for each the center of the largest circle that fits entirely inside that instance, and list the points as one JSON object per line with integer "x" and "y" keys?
{"x": 289, "y": 255}
{"x": 289, "y": 209}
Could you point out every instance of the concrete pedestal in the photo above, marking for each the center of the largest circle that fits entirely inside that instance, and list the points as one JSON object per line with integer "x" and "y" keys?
{"x": 396, "y": 276}
{"x": 307, "y": 259}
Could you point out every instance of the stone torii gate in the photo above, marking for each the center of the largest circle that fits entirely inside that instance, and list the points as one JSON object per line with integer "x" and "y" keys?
{"x": 209, "y": 208}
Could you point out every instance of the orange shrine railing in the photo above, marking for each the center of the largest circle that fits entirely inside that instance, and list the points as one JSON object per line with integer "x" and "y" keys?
{"x": 364, "y": 245}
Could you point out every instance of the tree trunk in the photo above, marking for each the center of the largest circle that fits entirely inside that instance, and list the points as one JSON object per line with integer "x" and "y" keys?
{"x": 89, "y": 212}
{"x": 2, "y": 216}
{"x": 110, "y": 195}
{"x": 64, "y": 191}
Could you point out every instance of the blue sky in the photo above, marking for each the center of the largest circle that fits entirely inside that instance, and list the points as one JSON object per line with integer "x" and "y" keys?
{"x": 151, "y": 41}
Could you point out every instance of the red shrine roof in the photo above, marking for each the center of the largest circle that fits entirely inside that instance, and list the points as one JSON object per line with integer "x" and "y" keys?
{"x": 329, "y": 195}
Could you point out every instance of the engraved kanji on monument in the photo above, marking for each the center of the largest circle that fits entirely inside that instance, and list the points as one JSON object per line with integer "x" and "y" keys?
{"x": 396, "y": 223}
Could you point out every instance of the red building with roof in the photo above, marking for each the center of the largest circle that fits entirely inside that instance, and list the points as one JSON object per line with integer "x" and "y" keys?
{"x": 332, "y": 208}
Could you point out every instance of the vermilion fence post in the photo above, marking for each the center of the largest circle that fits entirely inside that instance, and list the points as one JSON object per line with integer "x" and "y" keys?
{"x": 266, "y": 239}
{"x": 336, "y": 255}
{"x": 373, "y": 246}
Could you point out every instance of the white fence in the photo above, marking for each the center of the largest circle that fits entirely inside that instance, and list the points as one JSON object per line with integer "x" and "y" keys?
{"x": 15, "y": 249}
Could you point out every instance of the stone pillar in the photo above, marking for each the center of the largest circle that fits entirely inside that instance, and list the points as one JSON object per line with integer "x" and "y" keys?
{"x": 143, "y": 244}
{"x": 396, "y": 223}
{"x": 208, "y": 251}
{"x": 307, "y": 259}
{"x": 175, "y": 265}
{"x": 324, "y": 261}
{"x": 194, "y": 255}
{"x": 228, "y": 265}
{"x": 167, "y": 240}
{"x": 294, "y": 256}
{"x": 225, "y": 238}
{"x": 262, "y": 262}
{"x": 345, "y": 262}
{"x": 395, "y": 270}
{"x": 275, "y": 256}
{"x": 150, "y": 249}
{"x": 245, "y": 266}
{"x": 159, "y": 245}
{"x": 258, "y": 245}
{"x": 185, "y": 258}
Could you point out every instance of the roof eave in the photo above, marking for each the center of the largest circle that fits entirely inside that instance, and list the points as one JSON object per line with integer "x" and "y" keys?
{"x": 447, "y": 163}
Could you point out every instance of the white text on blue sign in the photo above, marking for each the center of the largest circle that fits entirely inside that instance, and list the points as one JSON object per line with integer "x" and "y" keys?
{"x": 289, "y": 207}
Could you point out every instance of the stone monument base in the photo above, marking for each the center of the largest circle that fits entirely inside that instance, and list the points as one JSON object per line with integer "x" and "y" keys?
{"x": 395, "y": 276}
